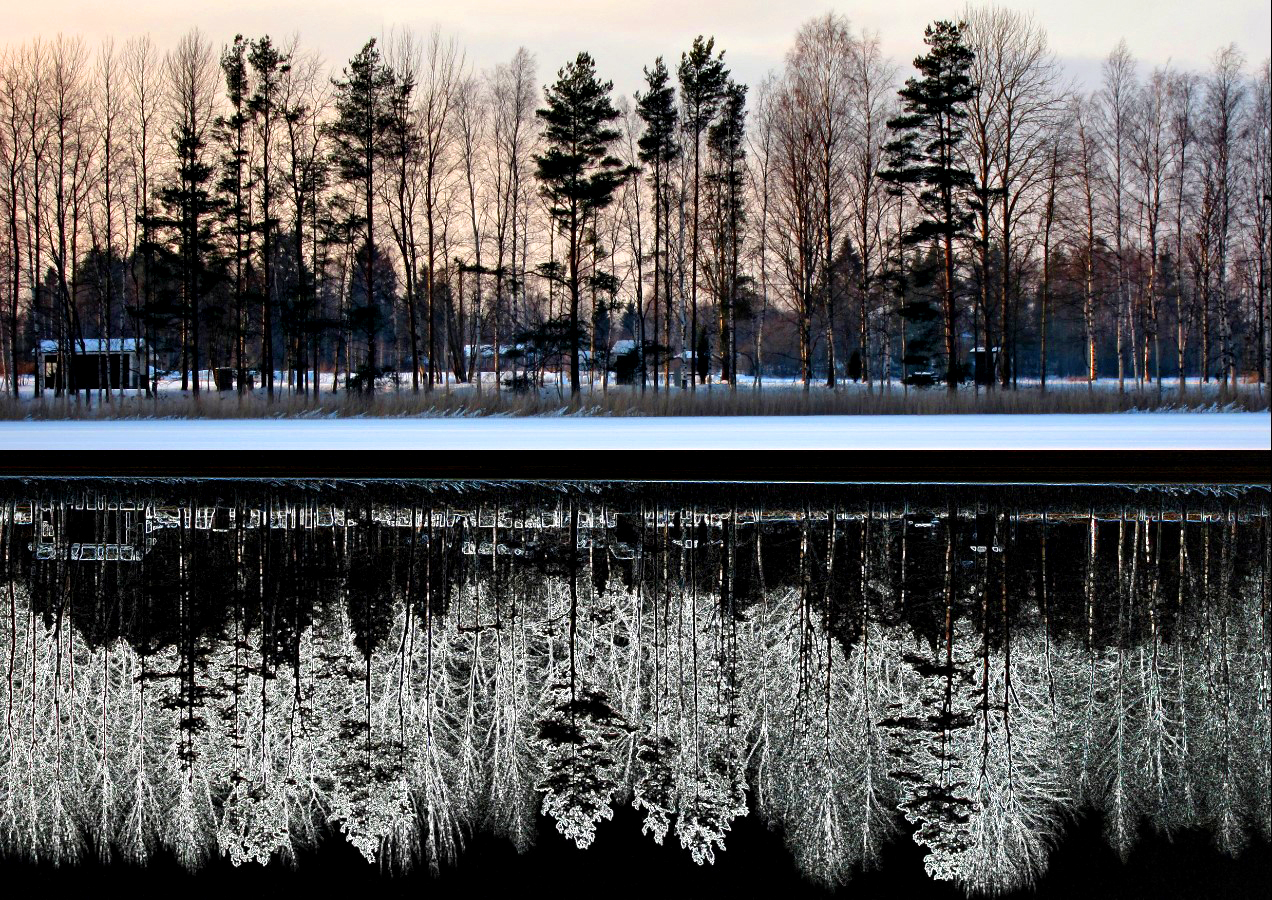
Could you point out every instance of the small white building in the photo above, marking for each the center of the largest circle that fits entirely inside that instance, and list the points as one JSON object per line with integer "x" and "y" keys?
{"x": 98, "y": 364}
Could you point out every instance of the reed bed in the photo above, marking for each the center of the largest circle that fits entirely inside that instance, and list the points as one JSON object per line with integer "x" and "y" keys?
{"x": 713, "y": 400}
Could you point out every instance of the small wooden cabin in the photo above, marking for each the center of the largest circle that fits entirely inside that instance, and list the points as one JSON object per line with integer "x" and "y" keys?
{"x": 98, "y": 364}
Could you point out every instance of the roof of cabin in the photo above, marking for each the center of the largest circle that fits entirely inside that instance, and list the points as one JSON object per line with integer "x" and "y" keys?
{"x": 94, "y": 345}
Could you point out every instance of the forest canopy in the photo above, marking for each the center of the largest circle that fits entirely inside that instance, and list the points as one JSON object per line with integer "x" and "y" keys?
{"x": 248, "y": 208}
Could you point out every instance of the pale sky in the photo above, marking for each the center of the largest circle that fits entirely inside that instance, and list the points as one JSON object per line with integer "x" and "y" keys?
{"x": 624, "y": 36}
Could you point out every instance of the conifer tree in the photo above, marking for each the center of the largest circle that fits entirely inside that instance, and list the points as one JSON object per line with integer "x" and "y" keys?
{"x": 270, "y": 66}
{"x": 190, "y": 205}
{"x": 659, "y": 149}
{"x": 234, "y": 186}
{"x": 925, "y": 158}
{"x": 578, "y": 175}
{"x": 363, "y": 119}
{"x": 702, "y": 82}
{"x": 726, "y": 141}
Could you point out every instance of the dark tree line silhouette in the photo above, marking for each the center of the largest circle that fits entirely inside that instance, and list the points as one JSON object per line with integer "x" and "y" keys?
{"x": 256, "y": 212}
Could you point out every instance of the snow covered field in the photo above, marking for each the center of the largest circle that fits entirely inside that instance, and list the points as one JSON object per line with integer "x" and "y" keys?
{"x": 1109, "y": 431}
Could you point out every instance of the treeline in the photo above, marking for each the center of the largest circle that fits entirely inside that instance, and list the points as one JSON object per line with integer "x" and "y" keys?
{"x": 251, "y": 211}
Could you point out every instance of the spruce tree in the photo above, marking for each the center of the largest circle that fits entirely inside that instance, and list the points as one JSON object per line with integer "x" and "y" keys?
{"x": 578, "y": 175}
{"x": 925, "y": 158}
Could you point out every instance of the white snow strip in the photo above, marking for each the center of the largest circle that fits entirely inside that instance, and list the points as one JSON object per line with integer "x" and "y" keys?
{"x": 1107, "y": 431}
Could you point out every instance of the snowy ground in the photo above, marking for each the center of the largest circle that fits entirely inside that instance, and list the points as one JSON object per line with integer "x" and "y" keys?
{"x": 1108, "y": 431}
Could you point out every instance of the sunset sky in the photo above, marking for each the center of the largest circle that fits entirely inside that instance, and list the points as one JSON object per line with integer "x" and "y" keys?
{"x": 623, "y": 36}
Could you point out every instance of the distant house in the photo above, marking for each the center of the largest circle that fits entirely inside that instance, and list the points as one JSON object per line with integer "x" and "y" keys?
{"x": 484, "y": 352}
{"x": 98, "y": 364}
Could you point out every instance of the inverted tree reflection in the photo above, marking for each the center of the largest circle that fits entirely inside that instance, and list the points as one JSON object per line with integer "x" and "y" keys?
{"x": 263, "y": 665}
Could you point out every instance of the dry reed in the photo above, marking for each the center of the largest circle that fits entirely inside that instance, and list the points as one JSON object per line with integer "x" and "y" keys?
{"x": 714, "y": 400}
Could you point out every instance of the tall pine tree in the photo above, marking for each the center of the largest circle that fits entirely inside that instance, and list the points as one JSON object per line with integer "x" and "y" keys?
{"x": 726, "y": 142}
{"x": 578, "y": 175}
{"x": 363, "y": 119}
{"x": 702, "y": 82}
{"x": 925, "y": 158}
{"x": 658, "y": 150}
{"x": 235, "y": 185}
{"x": 269, "y": 66}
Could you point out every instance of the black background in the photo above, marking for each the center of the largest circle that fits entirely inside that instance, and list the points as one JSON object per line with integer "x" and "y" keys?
{"x": 973, "y": 466}
{"x": 623, "y": 862}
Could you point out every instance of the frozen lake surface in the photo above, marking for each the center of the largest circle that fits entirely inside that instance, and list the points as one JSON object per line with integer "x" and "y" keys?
{"x": 1104, "y": 431}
